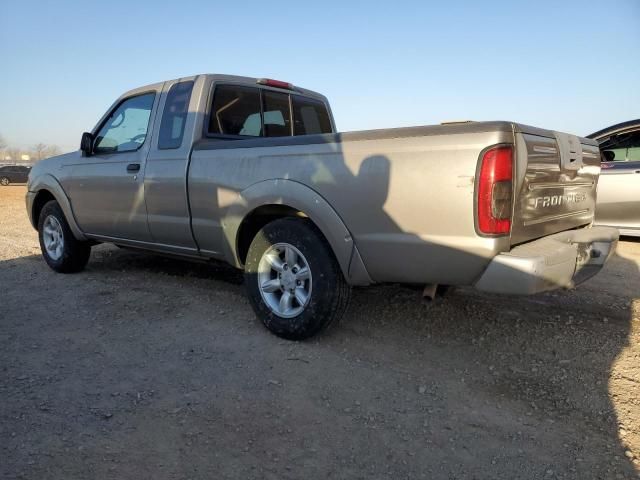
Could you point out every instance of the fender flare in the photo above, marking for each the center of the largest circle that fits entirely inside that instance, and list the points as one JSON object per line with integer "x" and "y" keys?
{"x": 49, "y": 183}
{"x": 306, "y": 200}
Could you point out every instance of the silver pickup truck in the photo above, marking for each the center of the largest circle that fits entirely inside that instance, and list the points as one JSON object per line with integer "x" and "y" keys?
{"x": 251, "y": 171}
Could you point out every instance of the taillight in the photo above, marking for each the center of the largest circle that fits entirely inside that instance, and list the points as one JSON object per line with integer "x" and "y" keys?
{"x": 495, "y": 186}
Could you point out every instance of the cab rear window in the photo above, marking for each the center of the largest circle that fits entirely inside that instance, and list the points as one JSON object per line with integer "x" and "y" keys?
{"x": 236, "y": 111}
{"x": 241, "y": 111}
{"x": 310, "y": 116}
{"x": 276, "y": 113}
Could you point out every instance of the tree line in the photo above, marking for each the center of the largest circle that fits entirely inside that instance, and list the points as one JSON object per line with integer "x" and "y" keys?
{"x": 36, "y": 152}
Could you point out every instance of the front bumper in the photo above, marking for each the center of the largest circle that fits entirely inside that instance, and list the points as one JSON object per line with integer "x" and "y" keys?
{"x": 562, "y": 260}
{"x": 29, "y": 198}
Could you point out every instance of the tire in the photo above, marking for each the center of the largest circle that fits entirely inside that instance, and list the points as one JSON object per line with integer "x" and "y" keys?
{"x": 320, "y": 292}
{"x": 4, "y": 181}
{"x": 60, "y": 249}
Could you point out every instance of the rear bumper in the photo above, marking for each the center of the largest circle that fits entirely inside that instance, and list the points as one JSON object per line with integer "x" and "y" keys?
{"x": 562, "y": 260}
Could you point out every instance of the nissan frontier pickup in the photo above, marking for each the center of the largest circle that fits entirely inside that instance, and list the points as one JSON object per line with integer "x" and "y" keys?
{"x": 252, "y": 172}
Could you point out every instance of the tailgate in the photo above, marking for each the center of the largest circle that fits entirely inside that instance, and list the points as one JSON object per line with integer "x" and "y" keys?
{"x": 555, "y": 177}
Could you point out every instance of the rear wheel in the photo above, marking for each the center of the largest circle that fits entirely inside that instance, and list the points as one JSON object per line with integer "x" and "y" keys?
{"x": 60, "y": 249}
{"x": 4, "y": 181}
{"x": 293, "y": 280}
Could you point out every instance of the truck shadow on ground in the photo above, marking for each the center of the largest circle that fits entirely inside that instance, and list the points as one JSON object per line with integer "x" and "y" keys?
{"x": 507, "y": 386}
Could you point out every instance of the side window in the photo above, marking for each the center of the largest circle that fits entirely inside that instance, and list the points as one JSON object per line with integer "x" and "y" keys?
{"x": 621, "y": 148}
{"x": 309, "y": 116}
{"x": 126, "y": 128}
{"x": 277, "y": 118}
{"x": 633, "y": 154}
{"x": 615, "y": 154}
{"x": 174, "y": 115}
{"x": 236, "y": 111}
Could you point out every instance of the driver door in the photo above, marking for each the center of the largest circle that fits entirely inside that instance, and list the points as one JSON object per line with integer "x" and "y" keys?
{"x": 107, "y": 188}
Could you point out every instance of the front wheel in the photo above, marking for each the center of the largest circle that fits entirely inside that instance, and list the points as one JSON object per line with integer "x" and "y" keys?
{"x": 60, "y": 249}
{"x": 4, "y": 181}
{"x": 293, "y": 280}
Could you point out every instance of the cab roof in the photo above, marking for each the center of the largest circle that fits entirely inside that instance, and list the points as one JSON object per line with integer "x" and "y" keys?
{"x": 236, "y": 79}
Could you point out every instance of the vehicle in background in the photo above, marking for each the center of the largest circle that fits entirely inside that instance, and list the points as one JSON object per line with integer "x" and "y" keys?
{"x": 13, "y": 174}
{"x": 618, "y": 201}
{"x": 252, "y": 172}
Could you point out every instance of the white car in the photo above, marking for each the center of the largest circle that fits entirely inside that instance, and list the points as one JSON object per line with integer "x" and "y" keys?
{"x": 618, "y": 201}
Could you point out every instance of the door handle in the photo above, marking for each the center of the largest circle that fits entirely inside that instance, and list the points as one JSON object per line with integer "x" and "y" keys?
{"x": 133, "y": 167}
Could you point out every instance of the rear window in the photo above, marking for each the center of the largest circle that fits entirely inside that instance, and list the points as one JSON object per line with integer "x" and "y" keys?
{"x": 174, "y": 115}
{"x": 236, "y": 111}
{"x": 310, "y": 116}
{"x": 277, "y": 118}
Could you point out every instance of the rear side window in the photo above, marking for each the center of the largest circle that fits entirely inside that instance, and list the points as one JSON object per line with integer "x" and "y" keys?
{"x": 310, "y": 116}
{"x": 174, "y": 115}
{"x": 277, "y": 118}
{"x": 236, "y": 111}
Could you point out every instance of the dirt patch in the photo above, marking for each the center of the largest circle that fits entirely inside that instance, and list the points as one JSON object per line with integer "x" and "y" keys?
{"x": 143, "y": 367}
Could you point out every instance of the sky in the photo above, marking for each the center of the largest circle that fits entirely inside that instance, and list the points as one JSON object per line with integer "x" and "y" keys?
{"x": 566, "y": 65}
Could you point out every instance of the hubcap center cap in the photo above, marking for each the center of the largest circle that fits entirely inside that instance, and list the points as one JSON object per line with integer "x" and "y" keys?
{"x": 288, "y": 280}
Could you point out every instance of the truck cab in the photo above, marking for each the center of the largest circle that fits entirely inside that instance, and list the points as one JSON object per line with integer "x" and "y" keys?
{"x": 129, "y": 182}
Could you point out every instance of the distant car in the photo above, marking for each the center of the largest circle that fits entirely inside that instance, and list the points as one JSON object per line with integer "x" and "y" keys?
{"x": 14, "y": 174}
{"x": 618, "y": 203}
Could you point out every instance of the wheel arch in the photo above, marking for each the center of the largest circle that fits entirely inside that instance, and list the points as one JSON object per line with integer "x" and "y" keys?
{"x": 40, "y": 199}
{"x": 44, "y": 189}
{"x": 269, "y": 200}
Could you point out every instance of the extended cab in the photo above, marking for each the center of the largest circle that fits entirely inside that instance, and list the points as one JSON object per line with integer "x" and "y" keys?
{"x": 252, "y": 172}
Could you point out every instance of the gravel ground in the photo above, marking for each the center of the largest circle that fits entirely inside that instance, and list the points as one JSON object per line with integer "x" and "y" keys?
{"x": 144, "y": 367}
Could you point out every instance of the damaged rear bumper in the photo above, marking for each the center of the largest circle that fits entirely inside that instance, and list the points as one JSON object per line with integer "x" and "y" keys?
{"x": 562, "y": 260}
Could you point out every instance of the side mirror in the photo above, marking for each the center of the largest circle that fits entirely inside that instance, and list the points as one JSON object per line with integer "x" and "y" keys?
{"x": 86, "y": 144}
